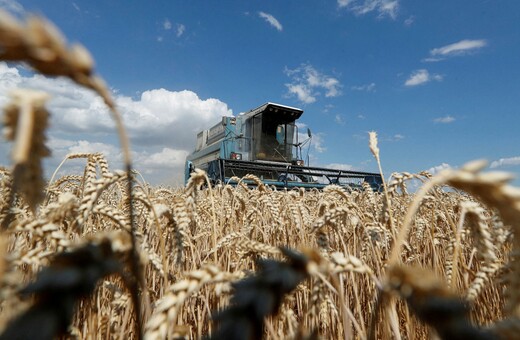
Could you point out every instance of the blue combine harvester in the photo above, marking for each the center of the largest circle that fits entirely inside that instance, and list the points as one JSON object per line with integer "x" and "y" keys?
{"x": 264, "y": 142}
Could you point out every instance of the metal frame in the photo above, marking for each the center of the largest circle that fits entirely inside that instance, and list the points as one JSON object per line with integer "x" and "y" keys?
{"x": 218, "y": 172}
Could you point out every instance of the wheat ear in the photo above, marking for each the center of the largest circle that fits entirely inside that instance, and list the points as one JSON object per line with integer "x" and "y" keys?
{"x": 25, "y": 120}
{"x": 372, "y": 144}
{"x": 164, "y": 317}
{"x": 41, "y": 45}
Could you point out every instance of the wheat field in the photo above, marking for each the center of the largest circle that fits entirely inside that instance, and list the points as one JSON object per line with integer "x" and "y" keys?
{"x": 103, "y": 255}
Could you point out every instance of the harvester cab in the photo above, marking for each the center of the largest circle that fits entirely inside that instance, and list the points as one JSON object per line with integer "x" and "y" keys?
{"x": 264, "y": 142}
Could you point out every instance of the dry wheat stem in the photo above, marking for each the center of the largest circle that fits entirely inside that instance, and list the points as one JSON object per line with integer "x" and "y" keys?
{"x": 375, "y": 151}
{"x": 41, "y": 44}
{"x": 219, "y": 220}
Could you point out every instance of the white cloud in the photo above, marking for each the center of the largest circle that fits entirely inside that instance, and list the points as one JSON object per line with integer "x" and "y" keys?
{"x": 167, "y": 24}
{"x": 392, "y": 138}
{"x": 432, "y": 59}
{"x": 180, "y": 30}
{"x": 9, "y": 78}
{"x": 339, "y": 119}
{"x": 271, "y": 20}
{"x": 160, "y": 123}
{"x": 61, "y": 148}
{"x": 318, "y": 142}
{"x": 438, "y": 168}
{"x": 161, "y": 116}
{"x": 422, "y": 76}
{"x": 163, "y": 166}
{"x": 109, "y": 150}
{"x": 388, "y": 8}
{"x": 327, "y": 108}
{"x": 366, "y": 87}
{"x": 302, "y": 92}
{"x": 462, "y": 47}
{"x": 301, "y": 125}
{"x": 444, "y": 120}
{"x": 409, "y": 21}
{"x": 166, "y": 157}
{"x": 504, "y": 162}
{"x": 307, "y": 81}
{"x": 167, "y": 164}
{"x": 417, "y": 78}
{"x": 12, "y": 6}
{"x": 385, "y": 8}
{"x": 344, "y": 3}
{"x": 340, "y": 166}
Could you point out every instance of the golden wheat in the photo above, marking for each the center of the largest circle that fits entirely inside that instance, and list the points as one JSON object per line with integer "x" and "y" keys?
{"x": 382, "y": 256}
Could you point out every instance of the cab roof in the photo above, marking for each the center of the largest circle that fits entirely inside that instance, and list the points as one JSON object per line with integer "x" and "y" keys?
{"x": 284, "y": 110}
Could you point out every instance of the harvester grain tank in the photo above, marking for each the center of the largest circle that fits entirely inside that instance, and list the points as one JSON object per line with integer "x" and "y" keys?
{"x": 264, "y": 142}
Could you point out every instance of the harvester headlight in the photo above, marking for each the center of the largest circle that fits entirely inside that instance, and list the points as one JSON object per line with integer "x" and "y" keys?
{"x": 236, "y": 156}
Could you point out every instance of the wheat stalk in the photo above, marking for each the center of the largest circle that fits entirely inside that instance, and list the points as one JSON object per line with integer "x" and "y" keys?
{"x": 25, "y": 120}
{"x": 41, "y": 45}
{"x": 163, "y": 319}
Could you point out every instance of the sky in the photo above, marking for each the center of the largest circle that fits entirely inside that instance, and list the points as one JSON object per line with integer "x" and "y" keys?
{"x": 439, "y": 81}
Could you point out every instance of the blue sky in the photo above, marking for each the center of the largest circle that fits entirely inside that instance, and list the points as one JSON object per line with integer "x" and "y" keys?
{"x": 438, "y": 80}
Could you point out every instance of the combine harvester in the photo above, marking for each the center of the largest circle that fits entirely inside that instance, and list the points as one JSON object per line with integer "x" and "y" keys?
{"x": 264, "y": 142}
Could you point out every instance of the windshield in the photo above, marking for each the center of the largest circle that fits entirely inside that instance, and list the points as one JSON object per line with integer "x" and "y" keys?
{"x": 274, "y": 141}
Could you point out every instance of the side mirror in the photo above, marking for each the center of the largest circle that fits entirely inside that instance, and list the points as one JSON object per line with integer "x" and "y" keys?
{"x": 309, "y": 133}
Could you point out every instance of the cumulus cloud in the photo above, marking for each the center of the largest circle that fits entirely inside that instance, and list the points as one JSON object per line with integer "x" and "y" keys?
{"x": 307, "y": 82}
{"x": 438, "y": 168}
{"x": 164, "y": 165}
{"x": 422, "y": 76}
{"x": 505, "y": 162}
{"x": 302, "y": 92}
{"x": 385, "y": 8}
{"x": 165, "y": 157}
{"x": 271, "y": 20}
{"x": 9, "y": 78}
{"x": 444, "y": 120}
{"x": 162, "y": 124}
{"x": 62, "y": 147}
{"x": 82, "y": 146}
{"x": 462, "y": 47}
